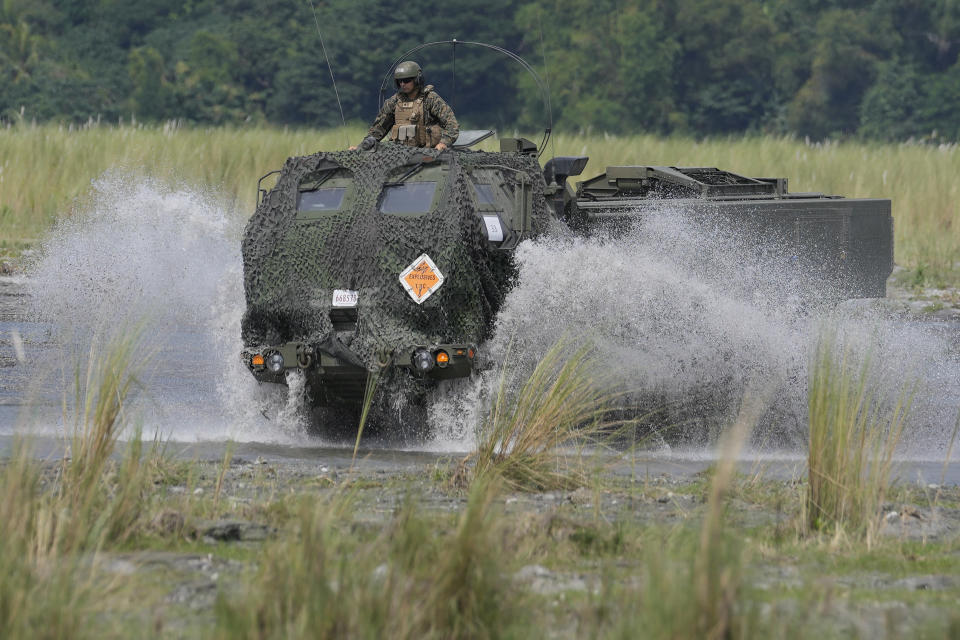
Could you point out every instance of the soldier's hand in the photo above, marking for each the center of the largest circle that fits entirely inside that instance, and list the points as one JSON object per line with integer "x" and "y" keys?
{"x": 368, "y": 143}
{"x": 440, "y": 146}
{"x": 352, "y": 147}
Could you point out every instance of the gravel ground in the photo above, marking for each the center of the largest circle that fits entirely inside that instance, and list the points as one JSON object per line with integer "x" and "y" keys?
{"x": 222, "y": 551}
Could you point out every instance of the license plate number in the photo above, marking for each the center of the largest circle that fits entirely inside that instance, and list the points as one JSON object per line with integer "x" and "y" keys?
{"x": 345, "y": 298}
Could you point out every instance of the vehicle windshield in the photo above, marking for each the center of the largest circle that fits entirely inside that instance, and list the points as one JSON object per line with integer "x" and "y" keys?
{"x": 408, "y": 197}
{"x": 325, "y": 199}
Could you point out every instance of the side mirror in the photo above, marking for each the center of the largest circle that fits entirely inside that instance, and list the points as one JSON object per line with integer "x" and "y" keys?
{"x": 558, "y": 169}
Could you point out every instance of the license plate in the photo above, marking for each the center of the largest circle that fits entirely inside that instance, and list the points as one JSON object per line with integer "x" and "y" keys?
{"x": 345, "y": 298}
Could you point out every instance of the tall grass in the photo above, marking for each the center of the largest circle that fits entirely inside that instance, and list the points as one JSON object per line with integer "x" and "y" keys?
{"x": 100, "y": 390}
{"x": 562, "y": 404}
{"x": 54, "y": 521}
{"x": 41, "y": 587}
{"x": 45, "y": 168}
{"x": 408, "y": 581}
{"x": 852, "y": 439}
{"x": 694, "y": 579}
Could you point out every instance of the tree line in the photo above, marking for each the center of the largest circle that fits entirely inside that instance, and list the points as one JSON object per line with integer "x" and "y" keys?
{"x": 875, "y": 69}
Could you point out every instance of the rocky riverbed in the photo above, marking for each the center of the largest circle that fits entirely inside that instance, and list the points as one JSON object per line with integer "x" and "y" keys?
{"x": 210, "y": 525}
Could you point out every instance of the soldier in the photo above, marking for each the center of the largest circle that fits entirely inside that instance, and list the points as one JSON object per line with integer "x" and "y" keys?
{"x": 415, "y": 116}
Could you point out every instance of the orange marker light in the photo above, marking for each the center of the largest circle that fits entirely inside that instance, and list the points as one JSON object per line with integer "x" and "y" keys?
{"x": 442, "y": 357}
{"x": 470, "y": 354}
{"x": 257, "y": 360}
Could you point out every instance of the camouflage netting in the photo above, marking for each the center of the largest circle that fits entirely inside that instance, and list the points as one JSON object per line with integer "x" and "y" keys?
{"x": 292, "y": 267}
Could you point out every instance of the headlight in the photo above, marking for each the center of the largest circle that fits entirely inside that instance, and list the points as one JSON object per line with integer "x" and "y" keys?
{"x": 422, "y": 360}
{"x": 275, "y": 362}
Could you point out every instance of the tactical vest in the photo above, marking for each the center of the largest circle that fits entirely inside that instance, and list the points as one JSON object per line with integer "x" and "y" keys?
{"x": 409, "y": 123}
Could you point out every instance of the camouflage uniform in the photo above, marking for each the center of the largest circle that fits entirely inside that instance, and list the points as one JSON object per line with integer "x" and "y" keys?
{"x": 438, "y": 118}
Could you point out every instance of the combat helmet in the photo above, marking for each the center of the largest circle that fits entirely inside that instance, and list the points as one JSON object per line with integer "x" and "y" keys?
{"x": 408, "y": 69}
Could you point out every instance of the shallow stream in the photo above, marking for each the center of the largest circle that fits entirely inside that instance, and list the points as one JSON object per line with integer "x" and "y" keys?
{"x": 664, "y": 304}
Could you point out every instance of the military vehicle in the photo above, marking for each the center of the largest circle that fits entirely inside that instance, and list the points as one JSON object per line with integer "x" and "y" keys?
{"x": 395, "y": 261}
{"x": 391, "y": 263}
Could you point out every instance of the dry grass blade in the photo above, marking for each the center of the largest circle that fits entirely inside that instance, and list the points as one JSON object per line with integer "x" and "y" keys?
{"x": 222, "y": 474}
{"x": 718, "y": 564}
{"x": 372, "y": 378}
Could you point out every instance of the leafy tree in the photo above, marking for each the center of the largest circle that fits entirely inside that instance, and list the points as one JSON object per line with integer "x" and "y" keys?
{"x": 609, "y": 63}
{"x": 880, "y": 68}
{"x": 938, "y": 112}
{"x": 205, "y": 83}
{"x": 929, "y": 31}
{"x": 843, "y": 68}
{"x": 725, "y": 71}
{"x": 19, "y": 51}
{"x": 151, "y": 93}
{"x": 889, "y": 110}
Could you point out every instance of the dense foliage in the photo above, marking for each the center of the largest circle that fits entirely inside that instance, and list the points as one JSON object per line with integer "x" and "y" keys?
{"x": 884, "y": 69}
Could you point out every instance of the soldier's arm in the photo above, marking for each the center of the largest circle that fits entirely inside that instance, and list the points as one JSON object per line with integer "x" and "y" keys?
{"x": 444, "y": 115}
{"x": 384, "y": 121}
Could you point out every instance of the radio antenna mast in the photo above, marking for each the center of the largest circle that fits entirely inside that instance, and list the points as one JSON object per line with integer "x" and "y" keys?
{"x": 343, "y": 120}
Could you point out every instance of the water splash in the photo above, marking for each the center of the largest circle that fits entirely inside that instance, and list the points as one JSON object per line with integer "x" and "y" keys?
{"x": 139, "y": 251}
{"x": 690, "y": 317}
{"x": 682, "y": 312}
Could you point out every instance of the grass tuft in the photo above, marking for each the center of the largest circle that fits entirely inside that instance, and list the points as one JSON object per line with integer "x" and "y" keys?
{"x": 408, "y": 580}
{"x": 852, "y": 440}
{"x": 693, "y": 579}
{"x": 562, "y": 404}
{"x": 40, "y": 588}
{"x": 104, "y": 496}
{"x": 52, "y": 526}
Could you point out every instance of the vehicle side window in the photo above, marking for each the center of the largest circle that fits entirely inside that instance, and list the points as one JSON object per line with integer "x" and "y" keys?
{"x": 485, "y": 195}
{"x": 321, "y": 200}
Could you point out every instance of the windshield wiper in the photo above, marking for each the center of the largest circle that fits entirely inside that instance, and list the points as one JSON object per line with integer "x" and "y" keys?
{"x": 405, "y": 176}
{"x": 326, "y": 175}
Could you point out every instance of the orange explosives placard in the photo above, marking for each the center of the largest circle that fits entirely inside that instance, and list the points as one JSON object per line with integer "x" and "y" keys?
{"x": 421, "y": 278}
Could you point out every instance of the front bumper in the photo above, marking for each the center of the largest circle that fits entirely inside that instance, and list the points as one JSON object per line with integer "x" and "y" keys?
{"x": 436, "y": 361}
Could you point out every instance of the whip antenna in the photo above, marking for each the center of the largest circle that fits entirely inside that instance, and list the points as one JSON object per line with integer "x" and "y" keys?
{"x": 546, "y": 80}
{"x": 316, "y": 21}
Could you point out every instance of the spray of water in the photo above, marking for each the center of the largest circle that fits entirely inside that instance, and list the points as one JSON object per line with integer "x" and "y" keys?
{"x": 143, "y": 252}
{"x": 689, "y": 316}
{"x": 685, "y": 314}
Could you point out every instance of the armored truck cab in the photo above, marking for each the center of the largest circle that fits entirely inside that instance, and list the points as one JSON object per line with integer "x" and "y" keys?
{"x": 394, "y": 260}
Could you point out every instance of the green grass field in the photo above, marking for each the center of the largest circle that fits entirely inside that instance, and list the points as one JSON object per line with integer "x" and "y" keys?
{"x": 45, "y": 169}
